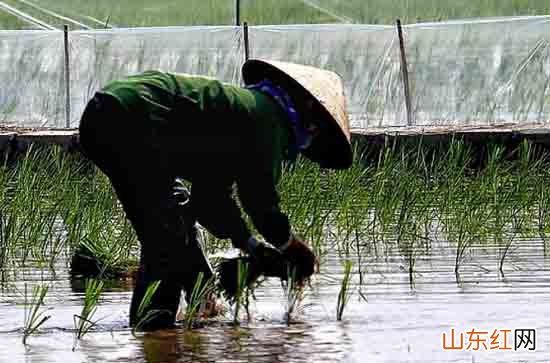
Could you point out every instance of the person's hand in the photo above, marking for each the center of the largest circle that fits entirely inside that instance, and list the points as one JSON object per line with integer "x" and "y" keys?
{"x": 262, "y": 260}
{"x": 265, "y": 259}
{"x": 295, "y": 258}
{"x": 300, "y": 257}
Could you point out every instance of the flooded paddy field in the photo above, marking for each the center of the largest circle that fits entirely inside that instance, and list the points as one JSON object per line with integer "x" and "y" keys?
{"x": 387, "y": 322}
{"x": 436, "y": 247}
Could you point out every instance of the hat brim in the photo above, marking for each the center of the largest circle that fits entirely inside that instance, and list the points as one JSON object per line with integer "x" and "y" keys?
{"x": 331, "y": 148}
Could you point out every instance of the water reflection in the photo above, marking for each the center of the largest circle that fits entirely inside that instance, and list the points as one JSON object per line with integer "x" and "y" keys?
{"x": 395, "y": 323}
{"x": 253, "y": 343}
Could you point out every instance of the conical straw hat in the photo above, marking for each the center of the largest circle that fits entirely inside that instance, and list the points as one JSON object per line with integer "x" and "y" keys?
{"x": 332, "y": 148}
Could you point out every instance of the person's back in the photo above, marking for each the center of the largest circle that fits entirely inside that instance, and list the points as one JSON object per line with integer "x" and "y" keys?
{"x": 218, "y": 128}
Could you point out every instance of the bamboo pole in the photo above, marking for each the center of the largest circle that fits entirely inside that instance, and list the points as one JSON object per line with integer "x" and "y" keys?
{"x": 246, "y": 42}
{"x": 67, "y": 77}
{"x": 404, "y": 69}
{"x": 238, "y": 12}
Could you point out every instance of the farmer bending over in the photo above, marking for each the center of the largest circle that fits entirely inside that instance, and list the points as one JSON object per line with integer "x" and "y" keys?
{"x": 146, "y": 130}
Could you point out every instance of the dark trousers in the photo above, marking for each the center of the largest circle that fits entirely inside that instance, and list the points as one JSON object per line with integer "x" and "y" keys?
{"x": 138, "y": 162}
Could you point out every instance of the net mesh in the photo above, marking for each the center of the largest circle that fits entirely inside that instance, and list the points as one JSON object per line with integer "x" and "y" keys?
{"x": 31, "y": 67}
{"x": 469, "y": 72}
{"x": 479, "y": 72}
{"x": 98, "y": 57}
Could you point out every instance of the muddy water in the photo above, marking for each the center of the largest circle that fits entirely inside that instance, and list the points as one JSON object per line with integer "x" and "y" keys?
{"x": 396, "y": 323}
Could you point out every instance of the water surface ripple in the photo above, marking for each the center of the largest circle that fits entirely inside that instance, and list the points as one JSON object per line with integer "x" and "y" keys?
{"x": 388, "y": 318}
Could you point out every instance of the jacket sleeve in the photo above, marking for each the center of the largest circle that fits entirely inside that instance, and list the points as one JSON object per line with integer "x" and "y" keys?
{"x": 218, "y": 212}
{"x": 257, "y": 189}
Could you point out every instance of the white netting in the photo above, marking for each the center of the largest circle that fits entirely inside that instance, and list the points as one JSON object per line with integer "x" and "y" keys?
{"x": 31, "y": 77}
{"x": 366, "y": 57}
{"x": 461, "y": 72}
{"x": 101, "y": 56}
{"x": 485, "y": 71}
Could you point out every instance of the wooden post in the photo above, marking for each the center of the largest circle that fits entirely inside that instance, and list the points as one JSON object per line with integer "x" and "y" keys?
{"x": 404, "y": 68}
{"x": 238, "y": 12}
{"x": 246, "y": 42}
{"x": 67, "y": 78}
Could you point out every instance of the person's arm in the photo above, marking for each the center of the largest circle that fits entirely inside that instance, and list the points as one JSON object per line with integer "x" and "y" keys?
{"x": 260, "y": 201}
{"x": 217, "y": 211}
{"x": 257, "y": 188}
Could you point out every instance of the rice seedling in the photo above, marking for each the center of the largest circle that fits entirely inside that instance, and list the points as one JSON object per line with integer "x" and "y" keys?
{"x": 169, "y": 12}
{"x": 242, "y": 291}
{"x": 384, "y": 198}
{"x": 450, "y": 176}
{"x": 34, "y": 317}
{"x": 543, "y": 207}
{"x": 73, "y": 216}
{"x": 202, "y": 291}
{"x": 25, "y": 201}
{"x": 454, "y": 200}
{"x": 83, "y": 322}
{"x": 104, "y": 255}
{"x": 408, "y": 224}
{"x": 395, "y": 200}
{"x": 468, "y": 226}
{"x": 344, "y": 295}
{"x": 39, "y": 191}
{"x": 500, "y": 194}
{"x": 294, "y": 290}
{"x": 5, "y": 219}
{"x": 351, "y": 215}
{"x": 30, "y": 212}
{"x": 59, "y": 202}
{"x": 106, "y": 242}
{"x": 385, "y": 12}
{"x": 406, "y": 234}
{"x": 523, "y": 197}
{"x": 427, "y": 199}
{"x": 304, "y": 200}
{"x": 145, "y": 315}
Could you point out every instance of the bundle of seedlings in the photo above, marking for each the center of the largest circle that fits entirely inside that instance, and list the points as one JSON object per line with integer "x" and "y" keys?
{"x": 246, "y": 270}
{"x": 93, "y": 260}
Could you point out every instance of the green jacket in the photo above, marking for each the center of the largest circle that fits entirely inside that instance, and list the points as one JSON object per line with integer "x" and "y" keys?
{"x": 224, "y": 135}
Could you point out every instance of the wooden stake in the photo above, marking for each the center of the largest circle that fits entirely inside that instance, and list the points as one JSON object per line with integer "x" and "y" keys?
{"x": 237, "y": 12}
{"x": 67, "y": 78}
{"x": 246, "y": 42}
{"x": 404, "y": 68}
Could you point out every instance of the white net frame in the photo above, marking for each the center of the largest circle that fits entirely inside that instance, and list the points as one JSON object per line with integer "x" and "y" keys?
{"x": 468, "y": 72}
